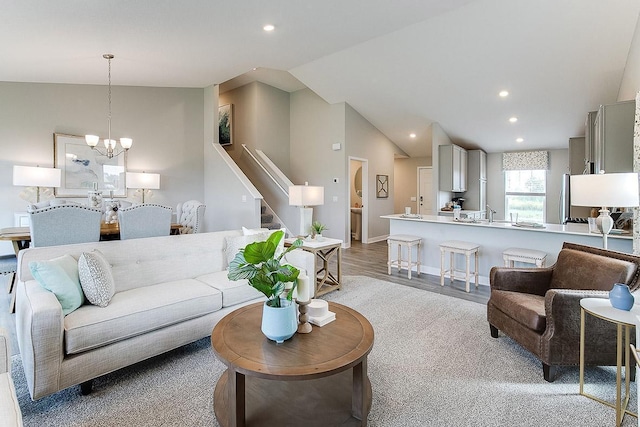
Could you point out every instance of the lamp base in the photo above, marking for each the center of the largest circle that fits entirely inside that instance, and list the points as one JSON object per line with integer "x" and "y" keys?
{"x": 306, "y": 214}
{"x": 604, "y": 222}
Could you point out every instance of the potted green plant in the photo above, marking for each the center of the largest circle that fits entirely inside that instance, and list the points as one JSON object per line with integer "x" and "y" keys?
{"x": 264, "y": 271}
{"x": 317, "y": 228}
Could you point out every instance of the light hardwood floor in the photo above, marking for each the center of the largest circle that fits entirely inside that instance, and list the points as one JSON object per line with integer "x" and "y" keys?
{"x": 360, "y": 260}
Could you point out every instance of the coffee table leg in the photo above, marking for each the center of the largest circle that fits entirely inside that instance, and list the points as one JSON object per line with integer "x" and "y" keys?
{"x": 236, "y": 398}
{"x": 358, "y": 397}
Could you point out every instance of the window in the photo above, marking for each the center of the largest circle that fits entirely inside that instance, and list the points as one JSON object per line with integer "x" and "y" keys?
{"x": 525, "y": 195}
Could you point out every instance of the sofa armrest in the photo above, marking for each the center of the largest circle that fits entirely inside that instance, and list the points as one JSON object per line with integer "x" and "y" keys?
{"x": 5, "y": 352}
{"x": 40, "y": 334}
{"x": 301, "y": 259}
{"x": 527, "y": 280}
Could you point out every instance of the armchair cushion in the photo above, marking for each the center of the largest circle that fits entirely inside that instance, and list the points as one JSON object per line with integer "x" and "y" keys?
{"x": 526, "y": 309}
{"x": 576, "y": 270}
{"x": 60, "y": 276}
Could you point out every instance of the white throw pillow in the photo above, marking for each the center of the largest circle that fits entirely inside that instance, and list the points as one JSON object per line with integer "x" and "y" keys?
{"x": 96, "y": 278}
{"x": 251, "y": 231}
{"x": 234, "y": 244}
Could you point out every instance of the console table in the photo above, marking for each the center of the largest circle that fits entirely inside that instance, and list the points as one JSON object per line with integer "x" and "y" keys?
{"x": 319, "y": 378}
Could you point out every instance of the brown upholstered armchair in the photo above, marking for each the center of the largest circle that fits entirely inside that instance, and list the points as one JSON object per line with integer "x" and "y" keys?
{"x": 540, "y": 307}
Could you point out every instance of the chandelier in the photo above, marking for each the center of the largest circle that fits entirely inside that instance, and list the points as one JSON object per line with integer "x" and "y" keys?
{"x": 109, "y": 144}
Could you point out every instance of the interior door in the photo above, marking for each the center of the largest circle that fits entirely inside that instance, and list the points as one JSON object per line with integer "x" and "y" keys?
{"x": 425, "y": 192}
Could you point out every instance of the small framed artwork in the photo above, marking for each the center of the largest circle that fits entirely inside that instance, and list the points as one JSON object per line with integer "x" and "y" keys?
{"x": 82, "y": 168}
{"x": 225, "y": 124}
{"x": 382, "y": 186}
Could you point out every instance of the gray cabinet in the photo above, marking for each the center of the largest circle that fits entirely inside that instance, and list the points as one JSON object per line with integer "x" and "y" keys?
{"x": 476, "y": 194}
{"x": 452, "y": 168}
{"x": 613, "y": 130}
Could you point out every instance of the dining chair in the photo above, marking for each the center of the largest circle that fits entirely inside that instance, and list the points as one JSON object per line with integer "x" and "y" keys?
{"x": 144, "y": 220}
{"x": 191, "y": 216}
{"x": 64, "y": 224}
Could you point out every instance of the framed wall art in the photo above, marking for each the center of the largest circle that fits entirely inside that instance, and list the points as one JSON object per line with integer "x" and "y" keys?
{"x": 382, "y": 186}
{"x": 82, "y": 166}
{"x": 225, "y": 124}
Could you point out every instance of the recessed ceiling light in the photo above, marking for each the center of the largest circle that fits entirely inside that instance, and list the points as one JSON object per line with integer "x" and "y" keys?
{"x": 519, "y": 139}
{"x": 513, "y": 119}
{"x": 504, "y": 93}
{"x": 412, "y": 135}
{"x": 268, "y": 27}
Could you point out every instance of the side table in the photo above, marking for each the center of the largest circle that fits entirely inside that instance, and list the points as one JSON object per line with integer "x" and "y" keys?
{"x": 324, "y": 250}
{"x": 624, "y": 321}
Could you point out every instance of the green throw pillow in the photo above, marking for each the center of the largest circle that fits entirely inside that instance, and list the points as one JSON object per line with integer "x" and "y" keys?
{"x": 60, "y": 276}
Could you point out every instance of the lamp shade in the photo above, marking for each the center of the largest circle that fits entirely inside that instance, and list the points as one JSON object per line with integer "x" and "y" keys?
{"x": 32, "y": 176}
{"x": 610, "y": 189}
{"x": 306, "y": 195}
{"x": 148, "y": 181}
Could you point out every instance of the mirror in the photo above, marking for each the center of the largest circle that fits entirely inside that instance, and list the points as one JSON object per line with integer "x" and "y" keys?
{"x": 357, "y": 181}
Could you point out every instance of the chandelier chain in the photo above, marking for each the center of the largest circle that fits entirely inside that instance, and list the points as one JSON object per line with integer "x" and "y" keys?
{"x": 109, "y": 59}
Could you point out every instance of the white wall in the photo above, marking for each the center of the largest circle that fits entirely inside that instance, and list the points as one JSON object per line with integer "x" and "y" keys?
{"x": 631, "y": 78}
{"x": 166, "y": 125}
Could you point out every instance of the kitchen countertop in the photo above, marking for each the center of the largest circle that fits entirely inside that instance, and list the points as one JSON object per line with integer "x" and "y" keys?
{"x": 569, "y": 228}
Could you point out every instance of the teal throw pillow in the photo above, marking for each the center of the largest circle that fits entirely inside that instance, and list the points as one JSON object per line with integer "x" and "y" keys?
{"x": 60, "y": 276}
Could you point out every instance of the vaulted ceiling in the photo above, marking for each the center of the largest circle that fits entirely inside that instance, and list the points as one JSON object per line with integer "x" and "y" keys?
{"x": 402, "y": 64}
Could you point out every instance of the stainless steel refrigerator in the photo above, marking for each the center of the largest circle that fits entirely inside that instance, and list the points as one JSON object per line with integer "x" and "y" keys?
{"x": 568, "y": 212}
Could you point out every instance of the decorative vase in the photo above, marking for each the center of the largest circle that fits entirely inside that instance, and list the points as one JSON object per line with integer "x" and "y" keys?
{"x": 620, "y": 297}
{"x": 279, "y": 323}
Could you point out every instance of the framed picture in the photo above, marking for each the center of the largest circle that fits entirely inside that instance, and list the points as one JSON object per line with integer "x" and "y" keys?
{"x": 225, "y": 124}
{"x": 83, "y": 166}
{"x": 382, "y": 186}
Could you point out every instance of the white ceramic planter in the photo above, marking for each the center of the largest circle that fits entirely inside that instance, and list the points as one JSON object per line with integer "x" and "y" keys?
{"x": 279, "y": 323}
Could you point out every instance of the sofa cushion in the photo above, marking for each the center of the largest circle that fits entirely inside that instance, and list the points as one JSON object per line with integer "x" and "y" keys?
{"x": 60, "y": 276}
{"x": 138, "y": 311}
{"x": 96, "y": 278}
{"x": 526, "y": 309}
{"x": 233, "y": 292}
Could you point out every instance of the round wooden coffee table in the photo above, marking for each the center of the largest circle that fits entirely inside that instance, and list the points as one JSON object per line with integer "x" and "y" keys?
{"x": 314, "y": 379}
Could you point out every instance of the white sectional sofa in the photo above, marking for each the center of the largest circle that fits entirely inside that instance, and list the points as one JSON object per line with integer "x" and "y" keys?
{"x": 169, "y": 291}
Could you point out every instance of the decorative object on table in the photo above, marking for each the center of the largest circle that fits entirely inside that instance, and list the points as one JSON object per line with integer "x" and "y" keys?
{"x": 109, "y": 144}
{"x": 81, "y": 166}
{"x": 305, "y": 196}
{"x": 456, "y": 212}
{"x": 607, "y": 190}
{"x": 225, "y": 124}
{"x": 37, "y": 180}
{"x": 303, "y": 290}
{"x": 621, "y": 297}
{"x": 258, "y": 264}
{"x": 382, "y": 186}
{"x": 111, "y": 211}
{"x": 95, "y": 197}
{"x": 319, "y": 313}
{"x": 143, "y": 183}
{"x": 316, "y": 229}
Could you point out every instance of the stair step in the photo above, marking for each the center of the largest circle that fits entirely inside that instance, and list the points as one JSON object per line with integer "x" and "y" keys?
{"x": 266, "y": 218}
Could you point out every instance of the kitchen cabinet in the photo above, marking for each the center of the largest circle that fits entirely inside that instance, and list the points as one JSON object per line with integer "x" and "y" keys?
{"x": 476, "y": 194}
{"x": 613, "y": 130}
{"x": 452, "y": 168}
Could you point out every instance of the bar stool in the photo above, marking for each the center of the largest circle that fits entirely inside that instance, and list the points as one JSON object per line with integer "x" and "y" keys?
{"x": 8, "y": 265}
{"x": 403, "y": 240}
{"x": 459, "y": 247}
{"x": 530, "y": 256}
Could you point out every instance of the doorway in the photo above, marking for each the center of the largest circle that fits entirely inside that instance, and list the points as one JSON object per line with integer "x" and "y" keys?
{"x": 357, "y": 216}
{"x": 425, "y": 191}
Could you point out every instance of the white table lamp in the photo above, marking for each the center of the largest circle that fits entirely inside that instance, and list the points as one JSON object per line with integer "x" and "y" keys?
{"x": 143, "y": 181}
{"x": 33, "y": 176}
{"x": 306, "y": 196}
{"x": 619, "y": 190}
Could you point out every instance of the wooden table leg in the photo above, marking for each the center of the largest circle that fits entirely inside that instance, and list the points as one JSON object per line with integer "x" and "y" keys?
{"x": 236, "y": 389}
{"x": 358, "y": 399}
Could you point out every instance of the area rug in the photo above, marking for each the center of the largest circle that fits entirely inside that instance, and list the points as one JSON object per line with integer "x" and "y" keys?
{"x": 433, "y": 364}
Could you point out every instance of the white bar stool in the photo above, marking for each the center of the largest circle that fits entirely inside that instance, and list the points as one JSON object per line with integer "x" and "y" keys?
{"x": 530, "y": 256}
{"x": 409, "y": 242}
{"x": 458, "y": 247}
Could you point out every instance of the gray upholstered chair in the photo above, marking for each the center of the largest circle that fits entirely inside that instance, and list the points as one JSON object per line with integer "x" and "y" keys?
{"x": 191, "y": 216}
{"x": 539, "y": 308}
{"x": 8, "y": 265}
{"x": 64, "y": 225}
{"x": 145, "y": 220}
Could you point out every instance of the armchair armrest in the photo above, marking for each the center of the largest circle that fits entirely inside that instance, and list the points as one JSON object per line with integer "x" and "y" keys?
{"x": 40, "y": 333}
{"x": 527, "y": 280}
{"x": 5, "y": 352}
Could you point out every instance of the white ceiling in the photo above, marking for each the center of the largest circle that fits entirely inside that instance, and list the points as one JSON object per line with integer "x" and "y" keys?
{"x": 402, "y": 64}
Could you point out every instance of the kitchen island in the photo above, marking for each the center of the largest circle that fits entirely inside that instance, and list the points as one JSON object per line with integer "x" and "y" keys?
{"x": 494, "y": 238}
